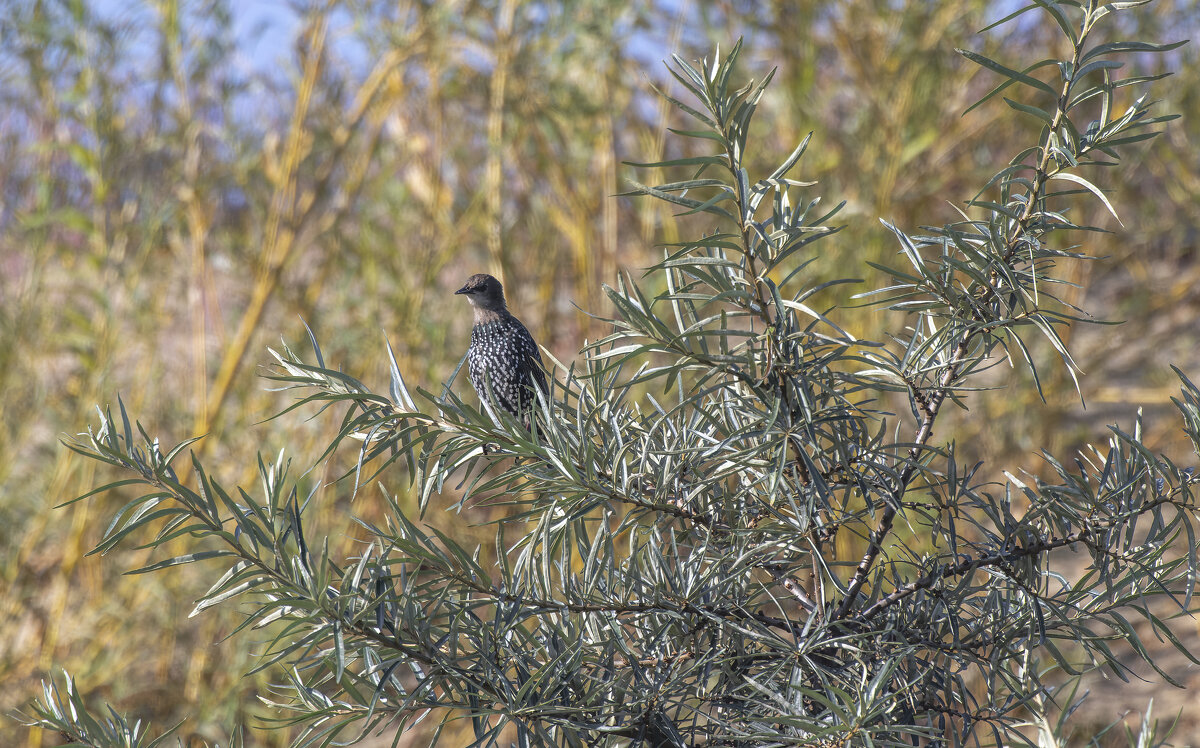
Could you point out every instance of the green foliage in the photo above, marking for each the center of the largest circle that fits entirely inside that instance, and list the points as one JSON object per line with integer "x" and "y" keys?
{"x": 65, "y": 711}
{"x": 665, "y": 568}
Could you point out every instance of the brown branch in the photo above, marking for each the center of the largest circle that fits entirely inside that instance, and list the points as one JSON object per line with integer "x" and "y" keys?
{"x": 933, "y": 405}
{"x": 967, "y": 566}
{"x": 932, "y": 401}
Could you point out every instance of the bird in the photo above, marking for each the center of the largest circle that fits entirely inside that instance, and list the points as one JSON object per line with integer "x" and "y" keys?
{"x": 503, "y": 360}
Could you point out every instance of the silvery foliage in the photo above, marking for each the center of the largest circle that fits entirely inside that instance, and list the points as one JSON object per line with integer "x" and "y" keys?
{"x": 667, "y": 570}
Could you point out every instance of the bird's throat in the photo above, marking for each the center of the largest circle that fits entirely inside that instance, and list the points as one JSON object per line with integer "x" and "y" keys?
{"x": 487, "y": 316}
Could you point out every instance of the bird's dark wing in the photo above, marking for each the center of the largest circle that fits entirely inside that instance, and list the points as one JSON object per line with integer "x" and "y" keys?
{"x": 537, "y": 370}
{"x": 532, "y": 369}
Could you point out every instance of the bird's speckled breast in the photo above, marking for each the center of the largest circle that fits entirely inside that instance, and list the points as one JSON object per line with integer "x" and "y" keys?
{"x": 501, "y": 357}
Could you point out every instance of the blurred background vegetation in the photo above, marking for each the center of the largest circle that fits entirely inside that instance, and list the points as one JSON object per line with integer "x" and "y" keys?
{"x": 182, "y": 182}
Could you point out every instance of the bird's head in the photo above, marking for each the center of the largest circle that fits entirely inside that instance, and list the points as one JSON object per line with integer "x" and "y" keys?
{"x": 484, "y": 292}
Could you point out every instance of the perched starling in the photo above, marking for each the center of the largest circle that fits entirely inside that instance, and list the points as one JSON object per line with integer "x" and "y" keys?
{"x": 503, "y": 359}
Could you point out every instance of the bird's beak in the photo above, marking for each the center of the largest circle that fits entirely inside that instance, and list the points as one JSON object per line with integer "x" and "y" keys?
{"x": 464, "y": 289}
